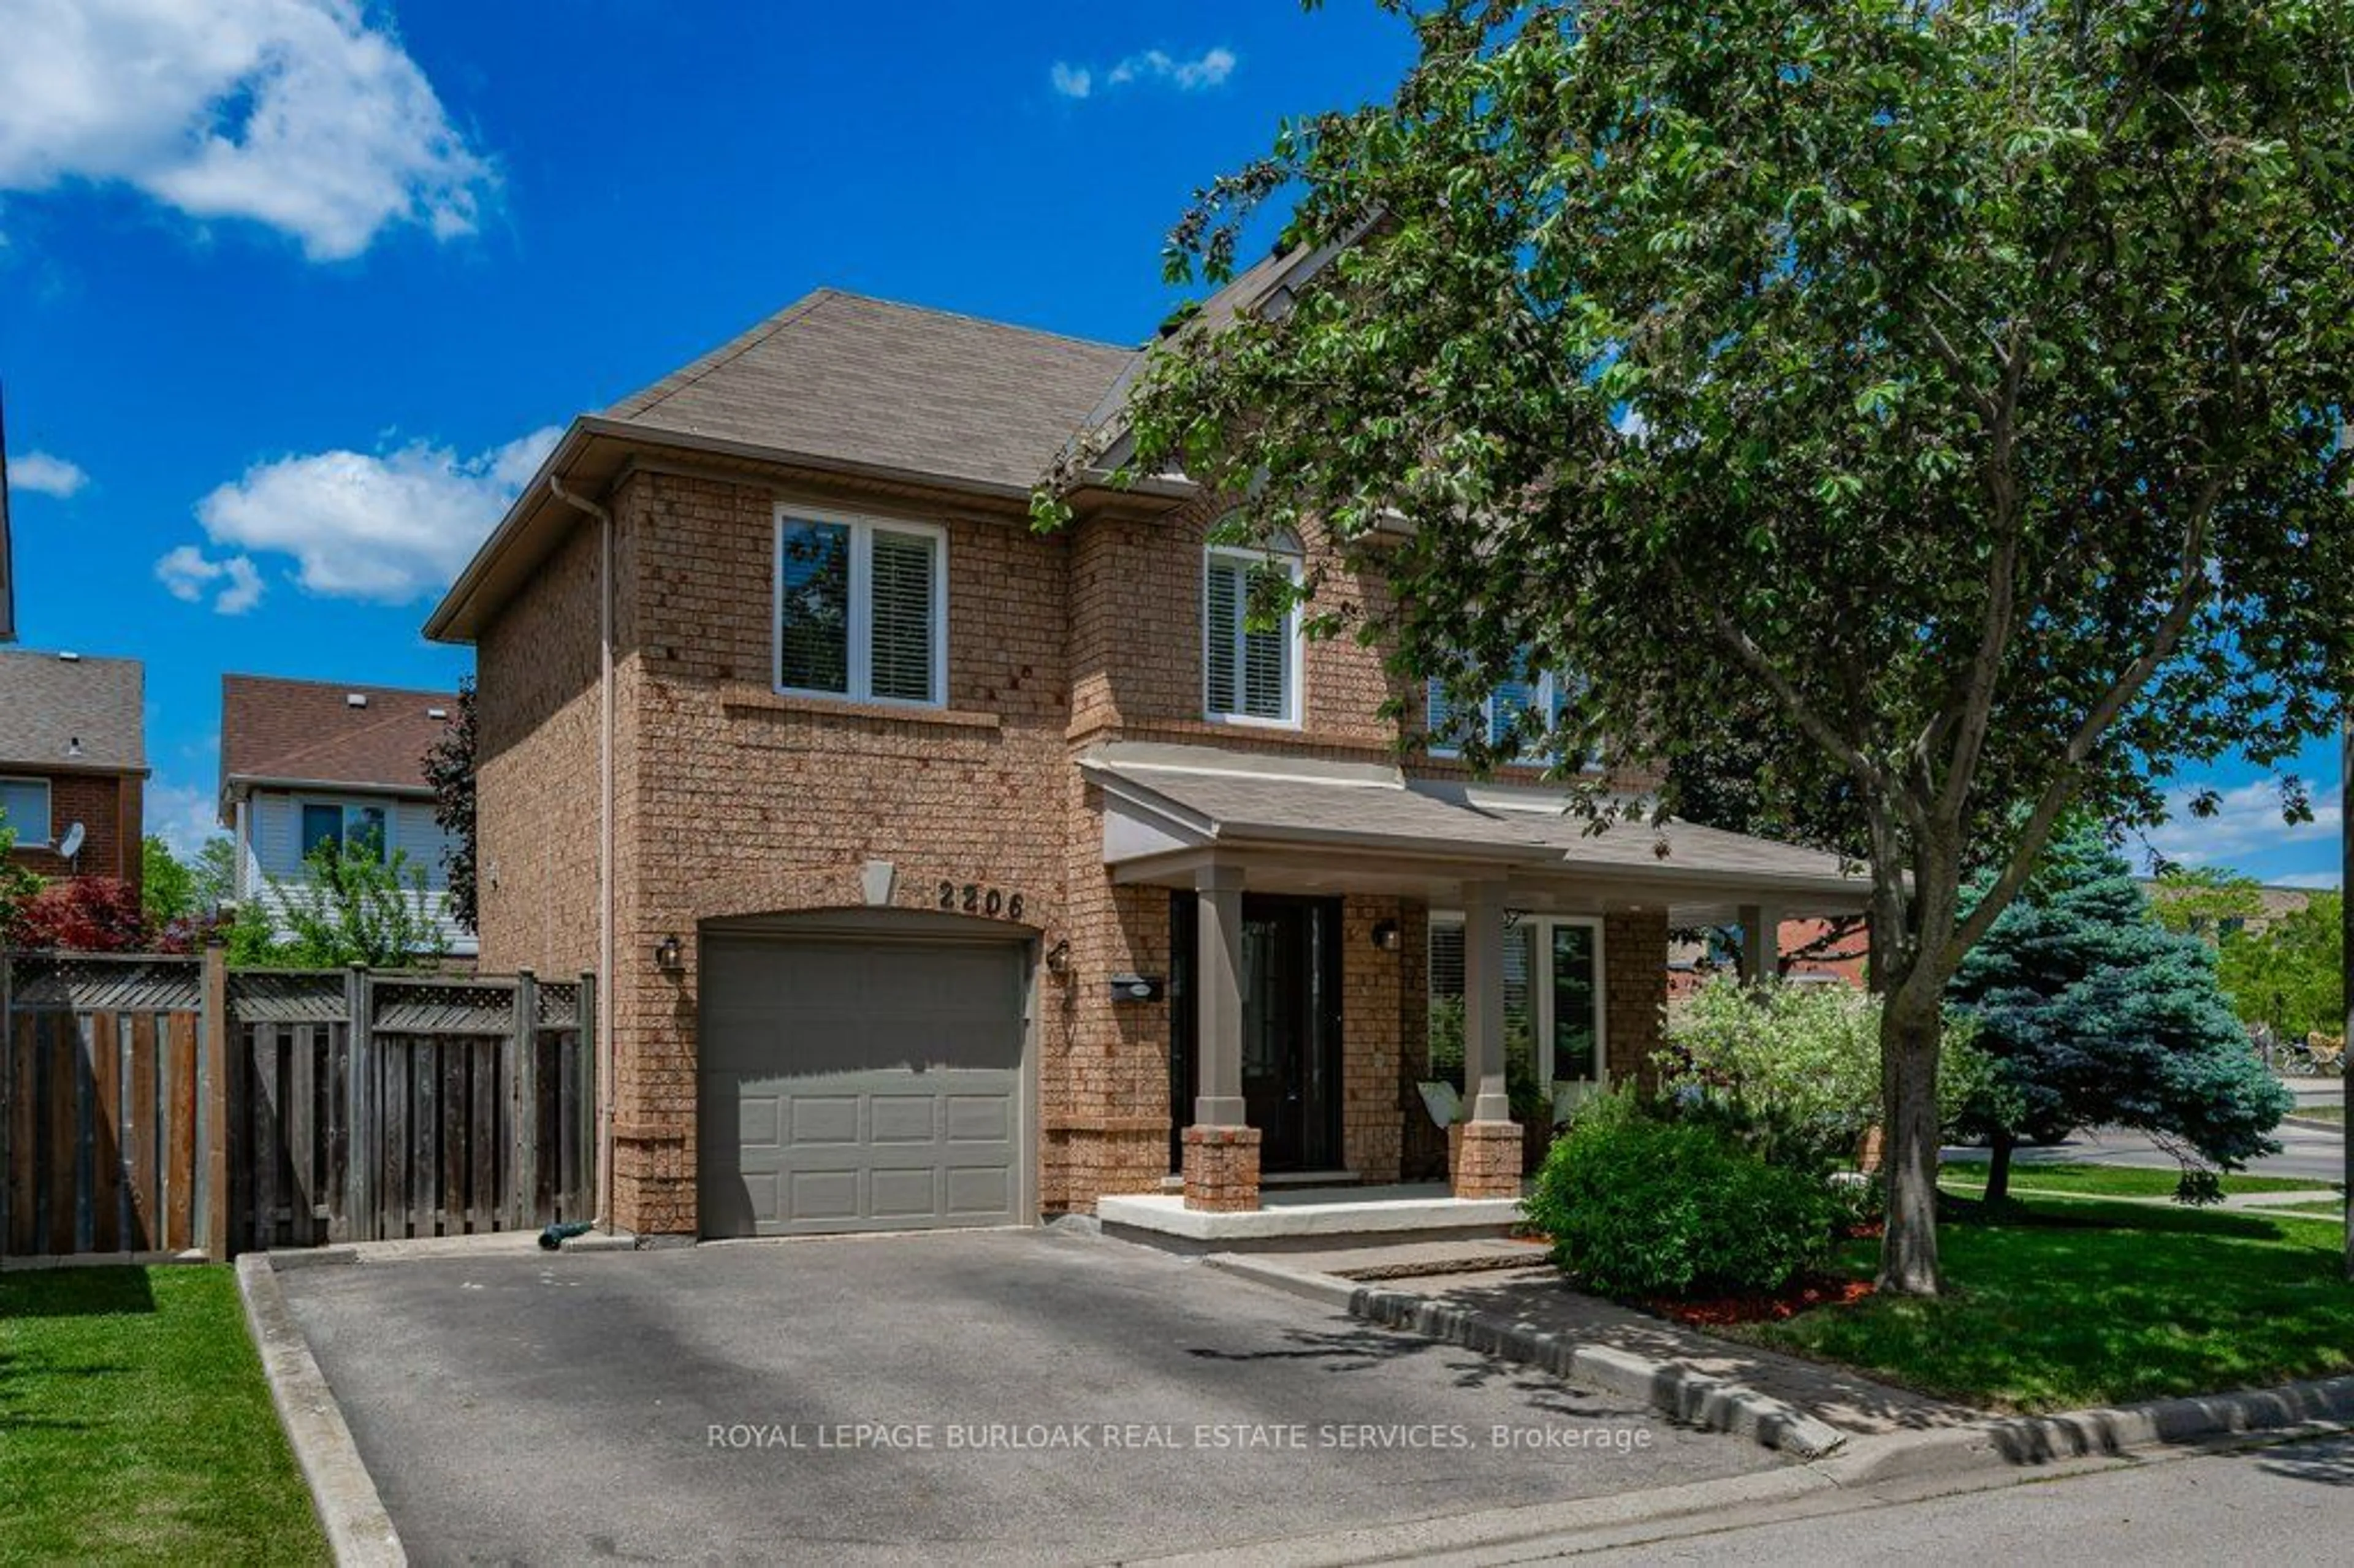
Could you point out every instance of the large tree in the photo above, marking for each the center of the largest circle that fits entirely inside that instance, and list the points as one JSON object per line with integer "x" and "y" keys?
{"x": 1965, "y": 376}
{"x": 450, "y": 769}
{"x": 2095, "y": 1013}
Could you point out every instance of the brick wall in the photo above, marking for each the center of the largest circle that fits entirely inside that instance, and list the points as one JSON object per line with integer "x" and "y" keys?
{"x": 1635, "y": 954}
{"x": 1372, "y": 984}
{"x": 110, "y": 808}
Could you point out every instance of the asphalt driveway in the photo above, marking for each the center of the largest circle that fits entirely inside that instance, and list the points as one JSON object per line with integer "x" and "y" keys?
{"x": 1014, "y": 1395}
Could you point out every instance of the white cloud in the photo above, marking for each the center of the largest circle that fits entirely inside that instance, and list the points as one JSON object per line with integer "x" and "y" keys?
{"x": 1210, "y": 68}
{"x": 2247, "y": 822}
{"x": 187, "y": 573}
{"x": 299, "y": 114}
{"x": 391, "y": 527}
{"x": 2326, "y": 880}
{"x": 182, "y": 815}
{"x": 42, "y": 475}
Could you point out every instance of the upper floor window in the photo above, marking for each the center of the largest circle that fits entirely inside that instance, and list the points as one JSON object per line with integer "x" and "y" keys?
{"x": 1250, "y": 674}
{"x": 1537, "y": 698}
{"x": 336, "y": 826}
{"x": 862, "y": 608}
{"x": 25, "y": 811}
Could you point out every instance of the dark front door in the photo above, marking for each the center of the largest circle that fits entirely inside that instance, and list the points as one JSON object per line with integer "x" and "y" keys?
{"x": 1291, "y": 1029}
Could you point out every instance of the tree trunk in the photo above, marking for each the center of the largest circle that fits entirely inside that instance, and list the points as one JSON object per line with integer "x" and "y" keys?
{"x": 1909, "y": 1038}
{"x": 1998, "y": 1185}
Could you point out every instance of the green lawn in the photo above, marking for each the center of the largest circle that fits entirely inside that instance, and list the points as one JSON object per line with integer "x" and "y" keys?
{"x": 2077, "y": 1302}
{"x": 2114, "y": 1181}
{"x": 2334, "y": 1207}
{"x": 2322, "y": 1113}
{"x": 135, "y": 1426}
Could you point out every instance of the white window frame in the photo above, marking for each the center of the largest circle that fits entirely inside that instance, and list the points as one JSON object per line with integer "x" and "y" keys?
{"x": 1294, "y": 666}
{"x": 1548, "y": 702}
{"x": 347, "y": 804}
{"x": 1541, "y": 988}
{"x": 861, "y": 662}
{"x": 48, "y": 835}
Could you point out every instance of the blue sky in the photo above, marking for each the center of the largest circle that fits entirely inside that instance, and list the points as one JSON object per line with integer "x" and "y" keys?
{"x": 279, "y": 340}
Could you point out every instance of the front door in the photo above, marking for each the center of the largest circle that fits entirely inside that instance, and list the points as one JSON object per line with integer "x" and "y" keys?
{"x": 1291, "y": 1029}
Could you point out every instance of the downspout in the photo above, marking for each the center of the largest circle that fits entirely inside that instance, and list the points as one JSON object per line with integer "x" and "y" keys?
{"x": 607, "y": 989}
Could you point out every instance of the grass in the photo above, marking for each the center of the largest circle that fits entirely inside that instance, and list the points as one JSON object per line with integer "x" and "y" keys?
{"x": 2334, "y": 1207}
{"x": 2067, "y": 1302}
{"x": 2114, "y": 1181}
{"x": 2321, "y": 1113}
{"x": 135, "y": 1424}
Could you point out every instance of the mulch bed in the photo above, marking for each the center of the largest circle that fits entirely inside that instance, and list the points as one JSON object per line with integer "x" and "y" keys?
{"x": 1798, "y": 1296}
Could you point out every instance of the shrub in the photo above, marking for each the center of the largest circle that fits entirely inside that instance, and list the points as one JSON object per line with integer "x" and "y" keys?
{"x": 1640, "y": 1205}
{"x": 1794, "y": 1070}
{"x": 84, "y": 914}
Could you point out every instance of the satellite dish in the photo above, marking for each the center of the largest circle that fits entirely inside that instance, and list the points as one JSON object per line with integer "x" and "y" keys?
{"x": 71, "y": 845}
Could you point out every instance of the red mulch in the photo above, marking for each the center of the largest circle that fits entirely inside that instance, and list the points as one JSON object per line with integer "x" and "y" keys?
{"x": 1798, "y": 1296}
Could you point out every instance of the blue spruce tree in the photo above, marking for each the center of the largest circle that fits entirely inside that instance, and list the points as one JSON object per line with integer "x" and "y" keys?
{"x": 2097, "y": 1015}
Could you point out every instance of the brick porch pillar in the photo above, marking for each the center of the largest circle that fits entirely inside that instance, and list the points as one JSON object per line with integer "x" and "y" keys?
{"x": 1221, "y": 1153}
{"x": 1488, "y": 1164}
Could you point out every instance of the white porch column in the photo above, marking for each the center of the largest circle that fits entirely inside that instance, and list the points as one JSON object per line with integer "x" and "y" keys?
{"x": 1218, "y": 1002}
{"x": 1221, "y": 1153}
{"x": 1486, "y": 1148}
{"x": 1761, "y": 942}
{"x": 1483, "y": 1003}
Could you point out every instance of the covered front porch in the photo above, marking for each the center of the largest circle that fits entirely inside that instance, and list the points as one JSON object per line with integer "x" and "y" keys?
{"x": 1341, "y": 931}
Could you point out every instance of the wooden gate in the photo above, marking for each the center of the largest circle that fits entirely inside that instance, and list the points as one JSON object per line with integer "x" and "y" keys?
{"x": 164, "y": 1105}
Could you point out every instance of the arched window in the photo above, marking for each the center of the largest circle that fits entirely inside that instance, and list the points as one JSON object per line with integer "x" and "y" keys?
{"x": 1250, "y": 673}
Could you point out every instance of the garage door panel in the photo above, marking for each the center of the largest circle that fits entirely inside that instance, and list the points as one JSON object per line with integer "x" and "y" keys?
{"x": 821, "y": 1120}
{"x": 870, "y": 1084}
{"x": 979, "y": 1118}
{"x": 904, "y": 1118}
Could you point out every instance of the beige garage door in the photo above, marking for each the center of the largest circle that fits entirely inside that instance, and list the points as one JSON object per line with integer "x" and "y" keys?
{"x": 859, "y": 1084}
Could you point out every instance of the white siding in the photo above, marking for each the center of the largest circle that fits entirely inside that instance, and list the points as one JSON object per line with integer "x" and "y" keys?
{"x": 277, "y": 827}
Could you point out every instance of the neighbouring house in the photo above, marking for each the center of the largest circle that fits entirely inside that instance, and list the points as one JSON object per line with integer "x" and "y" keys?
{"x": 1805, "y": 951}
{"x": 73, "y": 762}
{"x": 305, "y": 763}
{"x": 942, "y": 872}
{"x": 2271, "y": 904}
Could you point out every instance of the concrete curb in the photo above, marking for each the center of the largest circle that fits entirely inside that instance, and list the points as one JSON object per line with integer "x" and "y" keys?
{"x": 359, "y": 1530}
{"x": 2322, "y": 1404}
{"x": 1714, "y": 1404}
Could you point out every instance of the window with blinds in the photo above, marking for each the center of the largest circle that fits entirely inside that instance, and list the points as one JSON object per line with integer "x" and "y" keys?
{"x": 1515, "y": 706}
{"x": 1249, "y": 673}
{"x": 862, "y": 609}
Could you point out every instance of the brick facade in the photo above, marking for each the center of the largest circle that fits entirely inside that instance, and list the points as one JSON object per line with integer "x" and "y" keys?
{"x": 732, "y": 802}
{"x": 111, "y": 809}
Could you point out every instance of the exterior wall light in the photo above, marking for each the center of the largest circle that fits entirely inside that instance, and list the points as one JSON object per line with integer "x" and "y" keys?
{"x": 668, "y": 956}
{"x": 1385, "y": 935}
{"x": 1058, "y": 959}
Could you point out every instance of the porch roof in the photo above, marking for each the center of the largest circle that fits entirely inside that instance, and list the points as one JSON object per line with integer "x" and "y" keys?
{"x": 1170, "y": 809}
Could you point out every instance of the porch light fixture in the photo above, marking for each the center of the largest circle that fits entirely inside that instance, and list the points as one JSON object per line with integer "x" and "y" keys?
{"x": 1058, "y": 959}
{"x": 1385, "y": 935}
{"x": 668, "y": 956}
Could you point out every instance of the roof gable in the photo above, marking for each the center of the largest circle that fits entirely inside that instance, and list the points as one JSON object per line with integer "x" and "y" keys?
{"x": 843, "y": 377}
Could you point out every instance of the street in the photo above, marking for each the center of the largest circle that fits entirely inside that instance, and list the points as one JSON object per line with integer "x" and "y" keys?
{"x": 2306, "y": 1151}
{"x": 2276, "y": 1505}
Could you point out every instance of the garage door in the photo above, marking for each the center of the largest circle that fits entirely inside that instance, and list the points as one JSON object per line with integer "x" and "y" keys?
{"x": 859, "y": 1084}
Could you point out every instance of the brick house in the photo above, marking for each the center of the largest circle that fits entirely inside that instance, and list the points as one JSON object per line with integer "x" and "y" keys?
{"x": 310, "y": 762}
{"x": 943, "y": 871}
{"x": 73, "y": 756}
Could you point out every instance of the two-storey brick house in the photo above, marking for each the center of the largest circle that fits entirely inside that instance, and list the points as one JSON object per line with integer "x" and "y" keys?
{"x": 944, "y": 871}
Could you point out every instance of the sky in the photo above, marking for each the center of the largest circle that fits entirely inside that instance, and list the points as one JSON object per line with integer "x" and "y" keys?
{"x": 295, "y": 293}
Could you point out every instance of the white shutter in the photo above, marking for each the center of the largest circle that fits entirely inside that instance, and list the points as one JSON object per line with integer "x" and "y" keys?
{"x": 1265, "y": 660}
{"x": 900, "y": 627}
{"x": 1446, "y": 959}
{"x": 1222, "y": 620}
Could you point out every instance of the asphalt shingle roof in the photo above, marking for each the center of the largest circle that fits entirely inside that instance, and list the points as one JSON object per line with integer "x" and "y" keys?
{"x": 309, "y": 730}
{"x": 843, "y": 376}
{"x": 51, "y": 705}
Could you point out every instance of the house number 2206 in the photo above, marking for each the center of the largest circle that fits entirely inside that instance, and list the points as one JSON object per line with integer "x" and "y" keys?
{"x": 972, "y": 898}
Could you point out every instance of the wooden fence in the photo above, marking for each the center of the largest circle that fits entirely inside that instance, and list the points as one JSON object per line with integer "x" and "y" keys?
{"x": 169, "y": 1106}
